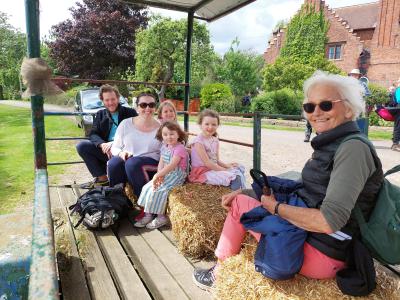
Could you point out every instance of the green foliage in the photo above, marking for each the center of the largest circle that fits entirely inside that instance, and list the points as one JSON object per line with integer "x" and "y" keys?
{"x": 160, "y": 52}
{"x": 283, "y": 101}
{"x": 379, "y": 94}
{"x": 12, "y": 51}
{"x": 289, "y": 72}
{"x": 306, "y": 35}
{"x": 241, "y": 70}
{"x": 375, "y": 120}
{"x": 302, "y": 54}
{"x": 217, "y": 96}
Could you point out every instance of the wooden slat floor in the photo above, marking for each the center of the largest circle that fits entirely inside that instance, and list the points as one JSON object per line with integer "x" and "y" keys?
{"x": 127, "y": 263}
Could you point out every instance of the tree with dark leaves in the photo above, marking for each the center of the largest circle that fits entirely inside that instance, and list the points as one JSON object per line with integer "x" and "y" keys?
{"x": 99, "y": 41}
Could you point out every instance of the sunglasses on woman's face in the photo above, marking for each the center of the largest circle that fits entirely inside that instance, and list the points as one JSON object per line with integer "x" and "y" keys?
{"x": 323, "y": 105}
{"x": 144, "y": 105}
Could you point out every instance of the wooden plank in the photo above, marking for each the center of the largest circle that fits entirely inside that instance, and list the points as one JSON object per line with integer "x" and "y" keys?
{"x": 196, "y": 263}
{"x": 98, "y": 277}
{"x": 157, "y": 278}
{"x": 70, "y": 269}
{"x": 175, "y": 263}
{"x": 128, "y": 282}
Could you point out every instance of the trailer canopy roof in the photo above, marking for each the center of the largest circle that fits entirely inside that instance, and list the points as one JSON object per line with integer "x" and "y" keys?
{"x": 208, "y": 10}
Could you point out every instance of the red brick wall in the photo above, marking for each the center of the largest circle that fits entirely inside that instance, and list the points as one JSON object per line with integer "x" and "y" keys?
{"x": 351, "y": 44}
{"x": 383, "y": 43}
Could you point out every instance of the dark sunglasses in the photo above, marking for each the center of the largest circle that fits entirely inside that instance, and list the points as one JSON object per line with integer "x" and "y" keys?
{"x": 323, "y": 105}
{"x": 144, "y": 105}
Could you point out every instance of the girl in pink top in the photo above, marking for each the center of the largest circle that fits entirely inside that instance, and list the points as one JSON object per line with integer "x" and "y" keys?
{"x": 206, "y": 164}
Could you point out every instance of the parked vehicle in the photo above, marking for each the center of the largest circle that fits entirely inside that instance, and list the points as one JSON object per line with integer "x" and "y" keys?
{"x": 88, "y": 101}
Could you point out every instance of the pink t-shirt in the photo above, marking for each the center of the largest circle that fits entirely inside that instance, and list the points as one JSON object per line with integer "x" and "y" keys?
{"x": 179, "y": 150}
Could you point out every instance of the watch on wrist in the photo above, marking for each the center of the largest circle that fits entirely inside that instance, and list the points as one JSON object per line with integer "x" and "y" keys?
{"x": 276, "y": 213}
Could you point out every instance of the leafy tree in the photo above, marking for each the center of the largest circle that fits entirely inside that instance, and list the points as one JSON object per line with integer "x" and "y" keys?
{"x": 161, "y": 50}
{"x": 217, "y": 96}
{"x": 99, "y": 41}
{"x": 12, "y": 51}
{"x": 241, "y": 70}
{"x": 291, "y": 73}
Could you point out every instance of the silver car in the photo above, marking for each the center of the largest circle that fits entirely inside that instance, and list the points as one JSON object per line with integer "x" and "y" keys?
{"x": 88, "y": 101}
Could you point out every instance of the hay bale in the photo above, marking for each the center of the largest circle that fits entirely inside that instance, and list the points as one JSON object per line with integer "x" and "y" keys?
{"x": 237, "y": 279}
{"x": 130, "y": 193}
{"x": 197, "y": 218}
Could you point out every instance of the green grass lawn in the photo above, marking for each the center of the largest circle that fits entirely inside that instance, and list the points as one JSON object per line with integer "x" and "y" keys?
{"x": 16, "y": 153}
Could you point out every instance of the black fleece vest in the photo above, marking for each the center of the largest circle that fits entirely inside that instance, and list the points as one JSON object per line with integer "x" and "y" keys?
{"x": 317, "y": 171}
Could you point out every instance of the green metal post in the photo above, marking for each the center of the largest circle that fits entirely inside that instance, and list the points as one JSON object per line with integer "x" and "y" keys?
{"x": 257, "y": 141}
{"x": 33, "y": 43}
{"x": 187, "y": 69}
{"x": 43, "y": 277}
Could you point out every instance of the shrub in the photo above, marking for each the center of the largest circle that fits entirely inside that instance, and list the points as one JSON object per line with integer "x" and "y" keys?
{"x": 379, "y": 94}
{"x": 217, "y": 96}
{"x": 376, "y": 120}
{"x": 284, "y": 101}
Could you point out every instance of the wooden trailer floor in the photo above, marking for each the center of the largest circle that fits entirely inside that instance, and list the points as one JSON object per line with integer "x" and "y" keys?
{"x": 124, "y": 263}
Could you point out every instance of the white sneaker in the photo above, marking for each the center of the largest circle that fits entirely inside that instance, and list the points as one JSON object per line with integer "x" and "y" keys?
{"x": 143, "y": 221}
{"x": 157, "y": 223}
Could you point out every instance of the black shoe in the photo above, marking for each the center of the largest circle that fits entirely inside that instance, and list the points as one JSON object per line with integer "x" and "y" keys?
{"x": 204, "y": 279}
{"x": 93, "y": 184}
{"x": 307, "y": 138}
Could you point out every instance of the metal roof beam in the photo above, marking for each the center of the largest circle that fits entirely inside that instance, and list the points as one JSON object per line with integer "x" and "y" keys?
{"x": 201, "y": 4}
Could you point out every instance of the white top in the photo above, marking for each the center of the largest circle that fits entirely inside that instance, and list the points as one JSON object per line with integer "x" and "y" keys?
{"x": 139, "y": 143}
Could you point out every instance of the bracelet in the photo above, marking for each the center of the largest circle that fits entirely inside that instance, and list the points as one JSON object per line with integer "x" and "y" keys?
{"x": 276, "y": 213}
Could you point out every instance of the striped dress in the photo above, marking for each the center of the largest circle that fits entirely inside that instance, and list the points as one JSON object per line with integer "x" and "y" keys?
{"x": 155, "y": 201}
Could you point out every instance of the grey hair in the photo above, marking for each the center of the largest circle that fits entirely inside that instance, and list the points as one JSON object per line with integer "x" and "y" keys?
{"x": 348, "y": 88}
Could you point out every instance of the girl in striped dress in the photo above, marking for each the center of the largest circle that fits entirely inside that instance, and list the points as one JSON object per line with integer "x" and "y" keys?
{"x": 171, "y": 172}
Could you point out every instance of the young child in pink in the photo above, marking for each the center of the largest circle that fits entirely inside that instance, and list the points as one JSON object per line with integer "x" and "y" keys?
{"x": 206, "y": 164}
{"x": 172, "y": 171}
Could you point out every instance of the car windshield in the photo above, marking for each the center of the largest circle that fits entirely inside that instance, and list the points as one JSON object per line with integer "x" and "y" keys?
{"x": 91, "y": 100}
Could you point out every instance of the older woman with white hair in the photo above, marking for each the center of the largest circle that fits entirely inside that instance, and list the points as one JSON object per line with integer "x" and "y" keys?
{"x": 336, "y": 177}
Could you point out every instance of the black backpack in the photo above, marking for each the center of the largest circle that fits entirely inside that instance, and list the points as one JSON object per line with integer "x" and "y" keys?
{"x": 101, "y": 207}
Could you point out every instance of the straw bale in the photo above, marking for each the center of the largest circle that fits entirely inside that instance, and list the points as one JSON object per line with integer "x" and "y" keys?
{"x": 130, "y": 193}
{"x": 197, "y": 218}
{"x": 237, "y": 279}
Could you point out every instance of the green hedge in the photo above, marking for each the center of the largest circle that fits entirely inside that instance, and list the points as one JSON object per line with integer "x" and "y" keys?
{"x": 217, "y": 96}
{"x": 283, "y": 101}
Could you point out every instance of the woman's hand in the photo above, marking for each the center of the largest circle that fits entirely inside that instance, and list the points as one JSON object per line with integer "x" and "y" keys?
{"x": 233, "y": 165}
{"x": 226, "y": 200}
{"x": 125, "y": 155}
{"x": 269, "y": 203}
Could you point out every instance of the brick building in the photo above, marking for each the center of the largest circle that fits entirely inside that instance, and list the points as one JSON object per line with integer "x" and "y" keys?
{"x": 364, "y": 36}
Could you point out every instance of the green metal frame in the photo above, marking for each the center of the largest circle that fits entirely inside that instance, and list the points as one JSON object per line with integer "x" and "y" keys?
{"x": 43, "y": 277}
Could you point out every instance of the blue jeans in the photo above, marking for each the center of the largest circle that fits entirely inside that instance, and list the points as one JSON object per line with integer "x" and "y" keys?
{"x": 135, "y": 170}
{"x": 94, "y": 158}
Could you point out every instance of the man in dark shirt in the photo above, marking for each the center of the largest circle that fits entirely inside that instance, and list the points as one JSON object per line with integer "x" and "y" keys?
{"x": 95, "y": 152}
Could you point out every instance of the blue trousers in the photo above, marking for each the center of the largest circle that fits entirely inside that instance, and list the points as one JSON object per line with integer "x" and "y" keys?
{"x": 94, "y": 158}
{"x": 135, "y": 170}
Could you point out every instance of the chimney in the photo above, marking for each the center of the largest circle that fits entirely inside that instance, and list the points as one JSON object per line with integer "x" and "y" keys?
{"x": 388, "y": 23}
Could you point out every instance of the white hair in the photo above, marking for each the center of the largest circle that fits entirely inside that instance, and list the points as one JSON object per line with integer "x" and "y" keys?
{"x": 348, "y": 88}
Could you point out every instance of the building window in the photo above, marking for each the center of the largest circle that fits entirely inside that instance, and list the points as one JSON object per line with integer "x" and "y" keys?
{"x": 335, "y": 52}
